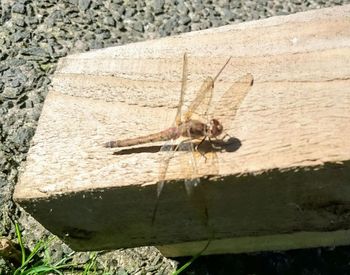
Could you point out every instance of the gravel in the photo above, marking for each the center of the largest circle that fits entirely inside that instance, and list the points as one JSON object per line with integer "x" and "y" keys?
{"x": 35, "y": 34}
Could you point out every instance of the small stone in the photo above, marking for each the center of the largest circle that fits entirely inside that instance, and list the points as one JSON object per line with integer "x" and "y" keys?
{"x": 109, "y": 21}
{"x": 34, "y": 113}
{"x": 19, "y": 36}
{"x": 198, "y": 6}
{"x": 149, "y": 17}
{"x": 21, "y": 78}
{"x": 184, "y": 20}
{"x": 30, "y": 12}
{"x": 200, "y": 26}
{"x": 216, "y": 23}
{"x": 74, "y": 2}
{"x": 17, "y": 62}
{"x": 96, "y": 4}
{"x": 96, "y": 44}
{"x": 130, "y": 12}
{"x": 3, "y": 111}
{"x": 121, "y": 10}
{"x": 89, "y": 36}
{"x": 282, "y": 12}
{"x": 8, "y": 104}
{"x": 11, "y": 73}
{"x": 29, "y": 104}
{"x": 84, "y": 4}
{"x": 205, "y": 12}
{"x": 6, "y": 14}
{"x": 24, "y": 135}
{"x": 158, "y": 6}
{"x": 182, "y": 29}
{"x": 105, "y": 34}
{"x": 195, "y": 18}
{"x": 20, "y": 22}
{"x": 19, "y": 8}
{"x": 11, "y": 119}
{"x": 137, "y": 26}
{"x": 33, "y": 21}
{"x": 182, "y": 9}
{"x": 11, "y": 93}
{"x": 228, "y": 15}
{"x": 35, "y": 51}
{"x": 15, "y": 83}
{"x": 59, "y": 52}
{"x": 4, "y": 67}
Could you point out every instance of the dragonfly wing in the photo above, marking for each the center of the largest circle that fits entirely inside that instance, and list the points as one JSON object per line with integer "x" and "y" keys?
{"x": 201, "y": 103}
{"x": 169, "y": 149}
{"x": 189, "y": 167}
{"x": 192, "y": 181}
{"x": 183, "y": 89}
{"x": 228, "y": 105}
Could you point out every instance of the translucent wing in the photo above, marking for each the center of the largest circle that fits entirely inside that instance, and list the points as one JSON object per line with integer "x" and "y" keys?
{"x": 163, "y": 168}
{"x": 191, "y": 172}
{"x": 189, "y": 167}
{"x": 168, "y": 147}
{"x": 226, "y": 109}
{"x": 188, "y": 164}
{"x": 201, "y": 103}
{"x": 183, "y": 89}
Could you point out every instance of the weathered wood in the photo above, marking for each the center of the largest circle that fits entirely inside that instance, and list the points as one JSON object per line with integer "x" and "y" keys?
{"x": 287, "y": 179}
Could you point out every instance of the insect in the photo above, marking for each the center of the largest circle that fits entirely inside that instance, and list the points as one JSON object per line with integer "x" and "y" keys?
{"x": 208, "y": 124}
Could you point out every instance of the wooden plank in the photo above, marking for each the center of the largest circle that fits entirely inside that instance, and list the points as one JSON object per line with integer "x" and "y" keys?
{"x": 288, "y": 175}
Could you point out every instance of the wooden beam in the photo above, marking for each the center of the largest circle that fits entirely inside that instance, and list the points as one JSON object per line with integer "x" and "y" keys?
{"x": 287, "y": 175}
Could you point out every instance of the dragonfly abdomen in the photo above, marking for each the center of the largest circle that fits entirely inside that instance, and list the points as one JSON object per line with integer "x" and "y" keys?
{"x": 170, "y": 133}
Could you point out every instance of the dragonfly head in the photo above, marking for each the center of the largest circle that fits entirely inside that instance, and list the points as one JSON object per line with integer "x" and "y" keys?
{"x": 215, "y": 128}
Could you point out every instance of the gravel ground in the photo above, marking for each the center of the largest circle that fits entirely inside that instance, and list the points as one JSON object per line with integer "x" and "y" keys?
{"x": 35, "y": 34}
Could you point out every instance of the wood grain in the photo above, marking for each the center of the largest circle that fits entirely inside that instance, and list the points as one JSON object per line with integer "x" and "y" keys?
{"x": 292, "y": 130}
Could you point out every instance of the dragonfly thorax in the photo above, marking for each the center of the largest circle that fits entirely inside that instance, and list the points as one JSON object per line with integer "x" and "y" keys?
{"x": 215, "y": 128}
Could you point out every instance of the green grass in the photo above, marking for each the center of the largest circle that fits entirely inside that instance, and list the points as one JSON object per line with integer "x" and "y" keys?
{"x": 188, "y": 263}
{"x": 38, "y": 260}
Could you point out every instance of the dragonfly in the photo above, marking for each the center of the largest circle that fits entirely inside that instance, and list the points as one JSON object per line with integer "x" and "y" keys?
{"x": 200, "y": 122}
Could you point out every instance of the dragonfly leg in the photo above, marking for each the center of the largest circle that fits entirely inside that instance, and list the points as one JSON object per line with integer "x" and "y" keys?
{"x": 182, "y": 142}
{"x": 200, "y": 143}
{"x": 212, "y": 143}
{"x": 225, "y": 136}
{"x": 197, "y": 148}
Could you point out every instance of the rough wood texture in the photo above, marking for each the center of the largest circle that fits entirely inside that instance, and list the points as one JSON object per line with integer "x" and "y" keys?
{"x": 289, "y": 176}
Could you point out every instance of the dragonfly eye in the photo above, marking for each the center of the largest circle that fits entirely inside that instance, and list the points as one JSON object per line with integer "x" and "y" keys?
{"x": 215, "y": 127}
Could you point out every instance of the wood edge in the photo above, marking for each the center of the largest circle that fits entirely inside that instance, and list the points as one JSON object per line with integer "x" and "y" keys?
{"x": 302, "y": 17}
{"x": 277, "y": 242}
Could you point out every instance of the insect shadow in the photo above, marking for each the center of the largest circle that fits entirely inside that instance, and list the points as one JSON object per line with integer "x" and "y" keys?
{"x": 232, "y": 144}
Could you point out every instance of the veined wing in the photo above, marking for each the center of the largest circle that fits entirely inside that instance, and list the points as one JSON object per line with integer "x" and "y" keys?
{"x": 190, "y": 169}
{"x": 183, "y": 89}
{"x": 164, "y": 164}
{"x": 168, "y": 147}
{"x": 226, "y": 109}
{"x": 201, "y": 103}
